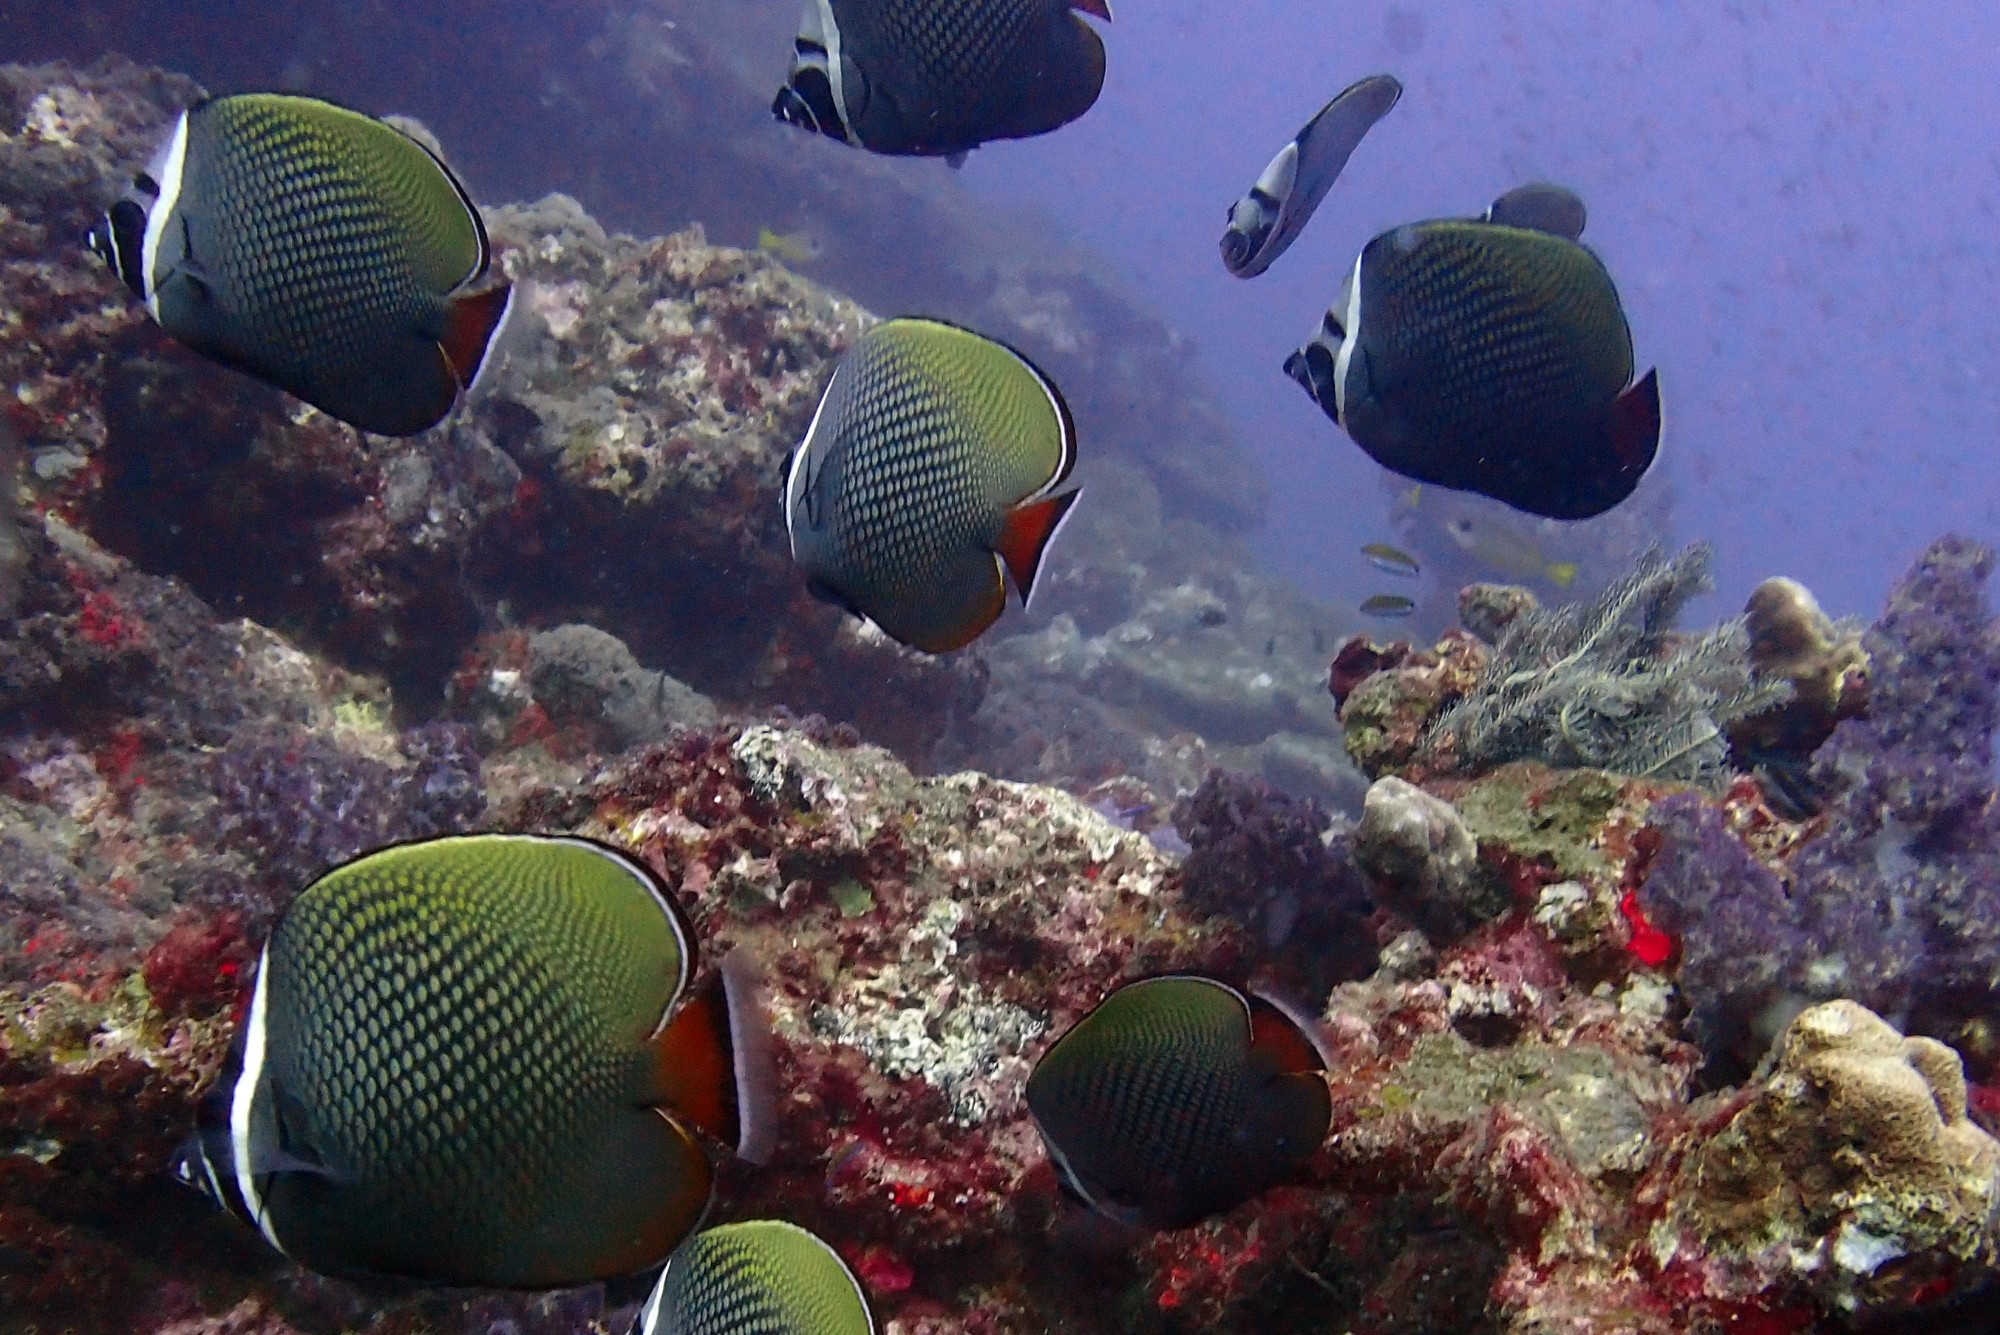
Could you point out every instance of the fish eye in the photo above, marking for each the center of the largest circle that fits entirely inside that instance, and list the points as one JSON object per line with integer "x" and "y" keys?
{"x": 805, "y": 46}
{"x": 146, "y": 185}
{"x": 1332, "y": 328}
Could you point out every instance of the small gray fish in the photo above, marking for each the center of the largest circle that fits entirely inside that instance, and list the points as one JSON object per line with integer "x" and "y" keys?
{"x": 1264, "y": 223}
{"x": 318, "y": 249}
{"x": 1390, "y": 560}
{"x": 1490, "y": 355}
{"x": 938, "y": 78}
{"x": 1388, "y": 605}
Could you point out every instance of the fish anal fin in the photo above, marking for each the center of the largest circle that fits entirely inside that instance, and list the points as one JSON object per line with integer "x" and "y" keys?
{"x": 1026, "y": 535}
{"x": 711, "y": 1064}
{"x": 1280, "y": 1039}
{"x": 1095, "y": 8}
{"x": 1635, "y": 423}
{"x": 643, "y": 1184}
{"x": 470, "y": 322}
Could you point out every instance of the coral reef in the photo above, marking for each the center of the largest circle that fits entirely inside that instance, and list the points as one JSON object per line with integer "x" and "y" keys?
{"x": 570, "y": 610}
{"x": 1900, "y": 1215}
{"x": 1890, "y": 901}
{"x": 1261, "y": 858}
{"x": 1389, "y": 706}
{"x": 295, "y": 805}
{"x": 1606, "y": 685}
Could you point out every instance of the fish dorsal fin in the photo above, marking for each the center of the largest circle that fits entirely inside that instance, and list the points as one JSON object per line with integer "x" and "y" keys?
{"x": 1281, "y": 1038}
{"x": 1029, "y": 529}
{"x": 1095, "y": 8}
{"x": 471, "y": 322}
{"x": 1539, "y": 207}
{"x": 1635, "y": 423}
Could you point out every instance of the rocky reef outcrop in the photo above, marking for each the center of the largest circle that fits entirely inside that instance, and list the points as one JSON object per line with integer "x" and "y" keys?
{"x": 1614, "y": 1048}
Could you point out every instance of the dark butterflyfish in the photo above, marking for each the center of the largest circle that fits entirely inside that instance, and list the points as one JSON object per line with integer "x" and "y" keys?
{"x": 318, "y": 249}
{"x": 760, "y": 1277}
{"x": 1265, "y": 222}
{"x": 1490, "y": 355}
{"x": 938, "y": 78}
{"x": 1179, "y": 1098}
{"x": 476, "y": 1060}
{"x": 932, "y": 464}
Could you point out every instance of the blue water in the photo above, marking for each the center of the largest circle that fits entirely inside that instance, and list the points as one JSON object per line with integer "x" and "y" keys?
{"x": 1797, "y": 200}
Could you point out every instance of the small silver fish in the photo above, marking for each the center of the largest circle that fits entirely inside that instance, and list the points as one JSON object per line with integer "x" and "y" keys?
{"x": 1388, "y": 605}
{"x": 1391, "y": 560}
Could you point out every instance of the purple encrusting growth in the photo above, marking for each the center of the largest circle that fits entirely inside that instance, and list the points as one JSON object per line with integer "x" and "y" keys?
{"x": 1727, "y": 909}
{"x": 301, "y": 805}
{"x": 1259, "y": 856}
{"x": 1896, "y": 904}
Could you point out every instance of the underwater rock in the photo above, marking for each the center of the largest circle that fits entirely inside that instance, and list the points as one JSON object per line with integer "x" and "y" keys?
{"x": 1849, "y": 1173}
{"x": 1422, "y": 861}
{"x": 1486, "y": 610}
{"x": 1388, "y": 711}
{"x": 587, "y": 679}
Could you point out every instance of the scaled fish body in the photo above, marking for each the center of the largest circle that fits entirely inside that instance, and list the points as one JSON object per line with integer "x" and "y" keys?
{"x": 317, "y": 249}
{"x": 1515, "y": 554}
{"x": 464, "y": 1063}
{"x": 1388, "y": 605}
{"x": 1391, "y": 560}
{"x": 1264, "y": 223}
{"x": 932, "y": 463}
{"x": 1179, "y": 1098}
{"x": 759, "y": 1277}
{"x": 938, "y": 78}
{"x": 1490, "y": 355}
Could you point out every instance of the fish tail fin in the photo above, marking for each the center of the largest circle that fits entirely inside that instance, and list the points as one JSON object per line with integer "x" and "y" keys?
{"x": 1096, "y": 8}
{"x": 713, "y": 1065}
{"x": 1561, "y": 573}
{"x": 1026, "y": 537}
{"x": 1635, "y": 423}
{"x": 471, "y": 321}
{"x": 1283, "y": 1037}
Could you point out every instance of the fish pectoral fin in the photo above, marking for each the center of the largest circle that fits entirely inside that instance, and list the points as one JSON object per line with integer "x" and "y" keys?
{"x": 471, "y": 320}
{"x": 1026, "y": 535}
{"x": 1635, "y": 423}
{"x": 712, "y": 1063}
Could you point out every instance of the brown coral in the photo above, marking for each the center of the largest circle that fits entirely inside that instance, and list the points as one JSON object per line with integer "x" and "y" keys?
{"x": 1854, "y": 1166}
{"x": 1791, "y": 639}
